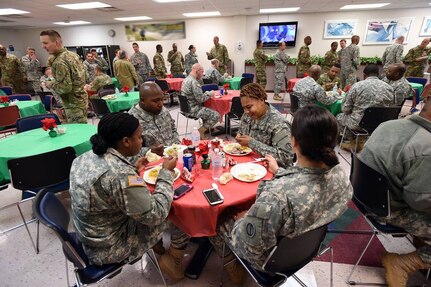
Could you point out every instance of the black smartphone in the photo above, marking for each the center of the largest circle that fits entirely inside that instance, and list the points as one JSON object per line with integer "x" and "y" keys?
{"x": 181, "y": 190}
{"x": 213, "y": 196}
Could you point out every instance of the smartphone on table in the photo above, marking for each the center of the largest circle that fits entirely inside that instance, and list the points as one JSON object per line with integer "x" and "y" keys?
{"x": 182, "y": 190}
{"x": 213, "y": 196}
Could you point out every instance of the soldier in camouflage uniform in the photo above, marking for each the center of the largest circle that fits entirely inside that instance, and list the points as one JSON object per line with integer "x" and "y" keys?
{"x": 220, "y": 53}
{"x": 400, "y": 151}
{"x": 159, "y": 63}
{"x": 393, "y": 53}
{"x": 193, "y": 91}
{"x": 262, "y": 127}
{"x": 90, "y": 66}
{"x": 12, "y": 71}
{"x": 330, "y": 58}
{"x": 101, "y": 79}
{"x": 342, "y": 46}
{"x": 329, "y": 79}
{"x": 177, "y": 60}
{"x": 124, "y": 71}
{"x": 190, "y": 59}
{"x": 69, "y": 75}
{"x": 304, "y": 58}
{"x": 115, "y": 215}
{"x": 158, "y": 126}
{"x": 141, "y": 63}
{"x": 297, "y": 199}
{"x": 309, "y": 91}
{"x": 260, "y": 59}
{"x": 33, "y": 70}
{"x": 100, "y": 61}
{"x": 281, "y": 60}
{"x": 416, "y": 59}
{"x": 213, "y": 74}
{"x": 395, "y": 78}
{"x": 350, "y": 61}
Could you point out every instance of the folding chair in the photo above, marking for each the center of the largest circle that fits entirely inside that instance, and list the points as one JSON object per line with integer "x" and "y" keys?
{"x": 8, "y": 117}
{"x": 288, "y": 257}
{"x": 235, "y": 113}
{"x": 51, "y": 212}
{"x": 105, "y": 91}
{"x": 33, "y": 122}
{"x": 179, "y": 76}
{"x": 100, "y": 107}
{"x": 167, "y": 91}
{"x": 185, "y": 110}
{"x": 209, "y": 87}
{"x": 20, "y": 97}
{"x": 7, "y": 90}
{"x": 248, "y": 75}
{"x": 417, "y": 80}
{"x": 245, "y": 81}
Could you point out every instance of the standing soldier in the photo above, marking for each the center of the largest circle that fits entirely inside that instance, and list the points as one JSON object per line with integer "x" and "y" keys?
{"x": 416, "y": 59}
{"x": 159, "y": 63}
{"x": 331, "y": 58}
{"x": 343, "y": 47}
{"x": 69, "y": 75}
{"x": 259, "y": 64}
{"x": 12, "y": 71}
{"x": 393, "y": 54}
{"x": 100, "y": 61}
{"x": 177, "y": 60}
{"x": 350, "y": 61}
{"x": 33, "y": 70}
{"x": 304, "y": 58}
{"x": 141, "y": 63}
{"x": 219, "y": 52}
{"x": 190, "y": 59}
{"x": 281, "y": 61}
{"x": 90, "y": 65}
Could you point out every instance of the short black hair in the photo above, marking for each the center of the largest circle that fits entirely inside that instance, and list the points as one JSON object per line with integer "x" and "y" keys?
{"x": 191, "y": 47}
{"x": 336, "y": 65}
{"x": 371, "y": 70}
{"x": 258, "y": 42}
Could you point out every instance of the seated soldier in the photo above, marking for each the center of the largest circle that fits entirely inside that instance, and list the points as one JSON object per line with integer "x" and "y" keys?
{"x": 100, "y": 80}
{"x": 213, "y": 74}
{"x": 329, "y": 79}
{"x": 395, "y": 78}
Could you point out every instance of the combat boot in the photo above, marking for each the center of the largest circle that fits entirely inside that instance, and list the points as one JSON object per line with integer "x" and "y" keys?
{"x": 277, "y": 97}
{"x": 171, "y": 263}
{"x": 361, "y": 143}
{"x": 399, "y": 267}
{"x": 158, "y": 248}
{"x": 347, "y": 145}
{"x": 235, "y": 270}
{"x": 202, "y": 131}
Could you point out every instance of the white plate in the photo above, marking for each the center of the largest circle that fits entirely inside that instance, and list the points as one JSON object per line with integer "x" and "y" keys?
{"x": 172, "y": 147}
{"x": 152, "y": 157}
{"x": 157, "y": 168}
{"x": 228, "y": 149}
{"x": 248, "y": 172}
{"x": 109, "y": 97}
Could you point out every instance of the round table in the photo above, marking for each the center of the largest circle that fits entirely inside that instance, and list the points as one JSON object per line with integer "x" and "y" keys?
{"x": 418, "y": 87}
{"x": 29, "y": 108}
{"x": 234, "y": 83}
{"x": 38, "y": 141}
{"x": 175, "y": 84}
{"x": 221, "y": 104}
{"x": 122, "y": 102}
{"x": 291, "y": 83}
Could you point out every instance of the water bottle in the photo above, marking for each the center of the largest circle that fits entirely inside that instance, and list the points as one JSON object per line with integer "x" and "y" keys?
{"x": 335, "y": 89}
{"x": 117, "y": 91}
{"x": 217, "y": 165}
{"x": 196, "y": 137}
{"x": 180, "y": 155}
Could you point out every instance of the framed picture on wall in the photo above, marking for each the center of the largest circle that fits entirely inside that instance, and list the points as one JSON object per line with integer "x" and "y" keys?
{"x": 338, "y": 29}
{"x": 426, "y": 27}
{"x": 385, "y": 32}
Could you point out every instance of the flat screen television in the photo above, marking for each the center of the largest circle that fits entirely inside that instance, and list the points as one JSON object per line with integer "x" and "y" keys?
{"x": 272, "y": 33}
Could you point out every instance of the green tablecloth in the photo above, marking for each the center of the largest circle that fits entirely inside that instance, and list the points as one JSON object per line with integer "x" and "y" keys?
{"x": 38, "y": 141}
{"x": 116, "y": 82}
{"x": 418, "y": 87}
{"x": 122, "y": 102}
{"x": 233, "y": 83}
{"x": 29, "y": 108}
{"x": 335, "y": 108}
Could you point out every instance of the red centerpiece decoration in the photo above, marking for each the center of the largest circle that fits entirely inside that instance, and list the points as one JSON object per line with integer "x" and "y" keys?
{"x": 125, "y": 90}
{"x": 49, "y": 124}
{"x": 4, "y": 100}
{"x": 225, "y": 87}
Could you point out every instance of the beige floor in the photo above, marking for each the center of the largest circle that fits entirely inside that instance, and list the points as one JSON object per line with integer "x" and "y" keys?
{"x": 20, "y": 266}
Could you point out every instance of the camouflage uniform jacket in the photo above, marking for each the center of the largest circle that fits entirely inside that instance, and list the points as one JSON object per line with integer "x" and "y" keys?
{"x": 281, "y": 59}
{"x": 295, "y": 201}
{"x": 309, "y": 92}
{"x": 12, "y": 73}
{"x": 329, "y": 60}
{"x": 157, "y": 129}
{"x": 269, "y": 135}
{"x": 392, "y": 55}
{"x": 325, "y": 79}
{"x": 159, "y": 66}
{"x": 214, "y": 75}
{"x": 177, "y": 62}
{"x": 193, "y": 91}
{"x": 189, "y": 61}
{"x": 69, "y": 74}
{"x": 99, "y": 82}
{"x": 32, "y": 68}
{"x": 415, "y": 68}
{"x": 91, "y": 70}
{"x": 370, "y": 92}
{"x": 304, "y": 60}
{"x": 220, "y": 53}
{"x": 125, "y": 73}
{"x": 141, "y": 63}
{"x": 349, "y": 59}
{"x": 102, "y": 63}
{"x": 259, "y": 59}
{"x": 402, "y": 89}
{"x": 115, "y": 215}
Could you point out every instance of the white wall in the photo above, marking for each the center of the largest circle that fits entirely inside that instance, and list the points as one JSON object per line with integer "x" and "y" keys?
{"x": 200, "y": 33}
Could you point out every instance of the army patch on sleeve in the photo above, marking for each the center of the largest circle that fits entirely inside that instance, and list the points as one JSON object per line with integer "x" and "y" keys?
{"x": 251, "y": 230}
{"x": 135, "y": 181}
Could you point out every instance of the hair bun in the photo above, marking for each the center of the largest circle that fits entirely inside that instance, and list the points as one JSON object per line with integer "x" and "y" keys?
{"x": 99, "y": 144}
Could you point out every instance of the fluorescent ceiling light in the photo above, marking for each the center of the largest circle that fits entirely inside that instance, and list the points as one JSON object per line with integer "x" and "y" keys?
{"x": 136, "y": 18}
{"x": 279, "y": 10}
{"x": 364, "y": 6}
{"x": 67, "y": 23}
{"x": 172, "y": 1}
{"x": 11, "y": 11}
{"x": 202, "y": 14}
{"x": 85, "y": 5}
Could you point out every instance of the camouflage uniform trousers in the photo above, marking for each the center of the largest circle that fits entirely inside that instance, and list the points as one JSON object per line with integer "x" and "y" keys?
{"x": 415, "y": 71}
{"x": 179, "y": 239}
{"x": 301, "y": 70}
{"x": 261, "y": 77}
{"x": 209, "y": 117}
{"x": 348, "y": 78}
{"x": 280, "y": 79}
{"x": 34, "y": 87}
{"x": 76, "y": 112}
{"x": 415, "y": 223}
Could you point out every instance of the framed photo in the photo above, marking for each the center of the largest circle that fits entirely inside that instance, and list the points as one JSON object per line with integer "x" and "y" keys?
{"x": 385, "y": 32}
{"x": 426, "y": 27}
{"x": 338, "y": 29}
{"x": 155, "y": 32}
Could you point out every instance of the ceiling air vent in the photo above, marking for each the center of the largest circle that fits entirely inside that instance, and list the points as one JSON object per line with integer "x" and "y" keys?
{"x": 109, "y": 9}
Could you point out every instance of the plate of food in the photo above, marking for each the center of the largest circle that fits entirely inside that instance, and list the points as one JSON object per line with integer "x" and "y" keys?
{"x": 109, "y": 97}
{"x": 236, "y": 149}
{"x": 173, "y": 149}
{"x": 248, "y": 172}
{"x": 150, "y": 176}
{"x": 152, "y": 157}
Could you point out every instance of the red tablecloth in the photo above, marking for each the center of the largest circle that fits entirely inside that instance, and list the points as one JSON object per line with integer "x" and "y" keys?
{"x": 222, "y": 105}
{"x": 291, "y": 83}
{"x": 192, "y": 212}
{"x": 175, "y": 83}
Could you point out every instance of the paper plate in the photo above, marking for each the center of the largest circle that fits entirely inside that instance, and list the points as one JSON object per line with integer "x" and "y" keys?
{"x": 152, "y": 157}
{"x": 232, "y": 148}
{"x": 173, "y": 148}
{"x": 248, "y": 172}
{"x": 109, "y": 97}
{"x": 150, "y": 176}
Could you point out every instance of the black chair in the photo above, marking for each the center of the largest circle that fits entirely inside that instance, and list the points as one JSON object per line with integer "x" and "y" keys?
{"x": 235, "y": 113}
{"x": 33, "y": 122}
{"x": 30, "y": 174}
{"x": 167, "y": 91}
{"x": 7, "y": 90}
{"x": 151, "y": 79}
{"x": 206, "y": 81}
{"x": 105, "y": 91}
{"x": 185, "y": 110}
{"x": 288, "y": 257}
{"x": 294, "y": 102}
{"x": 245, "y": 81}
{"x": 51, "y": 212}
{"x": 248, "y": 75}
{"x": 100, "y": 107}
{"x": 179, "y": 76}
{"x": 48, "y": 102}
{"x": 109, "y": 87}
{"x": 20, "y": 97}
{"x": 209, "y": 87}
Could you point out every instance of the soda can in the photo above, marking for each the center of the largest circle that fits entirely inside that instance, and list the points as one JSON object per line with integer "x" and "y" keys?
{"x": 221, "y": 92}
{"x": 188, "y": 161}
